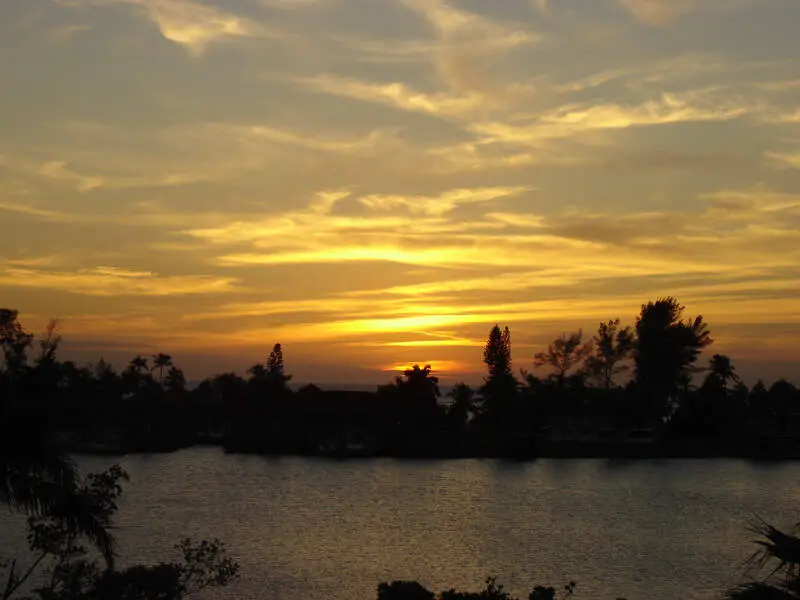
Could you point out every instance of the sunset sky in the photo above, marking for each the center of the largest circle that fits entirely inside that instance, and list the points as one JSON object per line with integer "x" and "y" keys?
{"x": 375, "y": 183}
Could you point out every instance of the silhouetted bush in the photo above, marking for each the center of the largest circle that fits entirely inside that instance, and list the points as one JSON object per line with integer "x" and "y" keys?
{"x": 411, "y": 590}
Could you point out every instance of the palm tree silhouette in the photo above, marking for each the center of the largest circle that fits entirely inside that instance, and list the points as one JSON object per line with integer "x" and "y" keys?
{"x": 161, "y": 361}
{"x": 776, "y": 548}
{"x": 138, "y": 365}
{"x": 721, "y": 368}
{"x": 421, "y": 381}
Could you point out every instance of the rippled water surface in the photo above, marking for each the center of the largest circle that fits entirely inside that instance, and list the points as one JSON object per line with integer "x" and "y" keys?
{"x": 307, "y": 529}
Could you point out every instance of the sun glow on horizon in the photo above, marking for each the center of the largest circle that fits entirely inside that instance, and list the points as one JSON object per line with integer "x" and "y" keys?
{"x": 446, "y": 369}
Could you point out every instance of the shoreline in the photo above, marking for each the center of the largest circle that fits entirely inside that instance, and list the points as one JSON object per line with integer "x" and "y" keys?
{"x": 563, "y": 451}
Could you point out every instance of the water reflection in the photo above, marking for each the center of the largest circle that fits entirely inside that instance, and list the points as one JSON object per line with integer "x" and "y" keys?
{"x": 329, "y": 529}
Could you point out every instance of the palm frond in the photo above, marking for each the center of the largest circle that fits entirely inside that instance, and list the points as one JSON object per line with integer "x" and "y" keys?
{"x": 32, "y": 469}
{"x": 80, "y": 515}
{"x": 759, "y": 591}
{"x": 36, "y": 478}
{"x": 775, "y": 546}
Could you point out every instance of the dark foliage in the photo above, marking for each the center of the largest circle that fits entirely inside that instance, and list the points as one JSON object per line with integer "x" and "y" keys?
{"x": 577, "y": 407}
{"x": 411, "y": 590}
{"x": 610, "y": 348}
{"x": 500, "y": 388}
{"x": 62, "y": 569}
{"x": 667, "y": 347}
{"x": 778, "y": 555}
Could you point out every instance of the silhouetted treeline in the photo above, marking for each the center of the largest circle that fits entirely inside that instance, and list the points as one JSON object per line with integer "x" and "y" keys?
{"x": 637, "y": 390}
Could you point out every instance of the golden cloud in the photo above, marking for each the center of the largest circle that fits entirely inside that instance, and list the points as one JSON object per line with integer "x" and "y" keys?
{"x": 113, "y": 281}
{"x": 786, "y": 160}
{"x": 397, "y": 95}
{"x": 658, "y": 12}
{"x": 444, "y": 203}
{"x": 571, "y": 120}
{"x": 663, "y": 12}
{"x": 294, "y": 4}
{"x": 195, "y": 26}
{"x": 469, "y": 44}
{"x": 192, "y": 25}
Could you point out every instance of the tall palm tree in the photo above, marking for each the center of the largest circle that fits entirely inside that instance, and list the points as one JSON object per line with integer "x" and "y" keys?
{"x": 721, "y": 368}
{"x": 161, "y": 361}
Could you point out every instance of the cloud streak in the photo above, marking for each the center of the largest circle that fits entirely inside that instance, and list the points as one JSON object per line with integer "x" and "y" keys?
{"x": 469, "y": 44}
{"x": 192, "y": 25}
{"x": 787, "y": 160}
{"x": 572, "y": 120}
{"x": 113, "y": 282}
{"x": 397, "y": 95}
{"x": 658, "y": 12}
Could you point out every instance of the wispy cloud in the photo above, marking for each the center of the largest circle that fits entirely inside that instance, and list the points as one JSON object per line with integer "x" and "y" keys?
{"x": 62, "y": 171}
{"x": 294, "y": 4}
{"x": 658, "y": 12}
{"x": 34, "y": 262}
{"x": 144, "y": 217}
{"x": 787, "y": 160}
{"x": 345, "y": 144}
{"x": 63, "y": 33}
{"x": 663, "y": 12}
{"x": 469, "y": 44}
{"x": 112, "y": 281}
{"x": 42, "y": 213}
{"x": 518, "y": 139}
{"x": 442, "y": 204}
{"x": 604, "y": 245}
{"x": 195, "y": 26}
{"x": 787, "y": 117}
{"x": 315, "y": 227}
{"x": 752, "y": 204}
{"x": 190, "y": 24}
{"x": 784, "y": 85}
{"x": 397, "y": 95}
{"x": 99, "y": 157}
{"x": 576, "y": 119}
{"x": 543, "y": 6}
